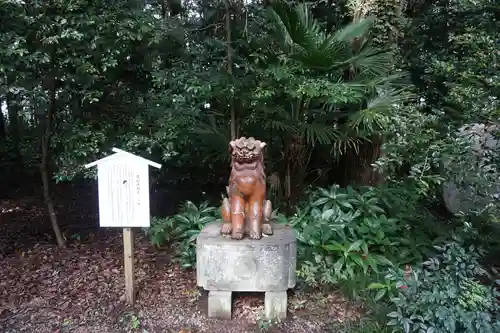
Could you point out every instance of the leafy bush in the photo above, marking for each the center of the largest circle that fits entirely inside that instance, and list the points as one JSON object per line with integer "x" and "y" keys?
{"x": 182, "y": 229}
{"x": 356, "y": 239}
{"x": 342, "y": 234}
{"x": 443, "y": 295}
{"x": 387, "y": 286}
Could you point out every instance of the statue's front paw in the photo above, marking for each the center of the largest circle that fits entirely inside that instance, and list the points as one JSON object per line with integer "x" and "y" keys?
{"x": 226, "y": 228}
{"x": 238, "y": 233}
{"x": 252, "y": 234}
{"x": 267, "y": 229}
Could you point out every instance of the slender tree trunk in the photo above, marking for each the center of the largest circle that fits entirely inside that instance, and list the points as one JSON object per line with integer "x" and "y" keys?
{"x": 46, "y": 190}
{"x": 234, "y": 116}
{"x": 13, "y": 130}
{"x": 3, "y": 130}
{"x": 44, "y": 165}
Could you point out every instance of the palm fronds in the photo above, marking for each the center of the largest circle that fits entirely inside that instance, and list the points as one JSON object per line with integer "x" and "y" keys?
{"x": 318, "y": 133}
{"x": 295, "y": 28}
{"x": 334, "y": 69}
{"x": 373, "y": 62}
{"x": 302, "y": 38}
{"x": 375, "y": 116}
{"x": 354, "y": 30}
{"x": 214, "y": 138}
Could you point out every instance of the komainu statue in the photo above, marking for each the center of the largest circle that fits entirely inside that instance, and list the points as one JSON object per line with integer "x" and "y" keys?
{"x": 246, "y": 211}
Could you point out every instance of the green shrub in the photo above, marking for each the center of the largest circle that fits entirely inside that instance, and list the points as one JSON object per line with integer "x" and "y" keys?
{"x": 443, "y": 296}
{"x": 182, "y": 229}
{"x": 345, "y": 234}
{"x": 160, "y": 231}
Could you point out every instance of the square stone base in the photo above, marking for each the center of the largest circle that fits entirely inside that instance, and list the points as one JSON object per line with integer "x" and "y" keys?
{"x": 225, "y": 265}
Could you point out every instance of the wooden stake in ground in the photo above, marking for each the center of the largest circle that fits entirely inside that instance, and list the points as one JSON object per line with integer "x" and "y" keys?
{"x": 123, "y": 181}
{"x": 128, "y": 264}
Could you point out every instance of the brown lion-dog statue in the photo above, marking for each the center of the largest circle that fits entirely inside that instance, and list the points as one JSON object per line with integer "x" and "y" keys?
{"x": 246, "y": 211}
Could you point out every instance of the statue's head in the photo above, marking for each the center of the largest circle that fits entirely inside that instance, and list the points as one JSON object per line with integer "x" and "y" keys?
{"x": 246, "y": 150}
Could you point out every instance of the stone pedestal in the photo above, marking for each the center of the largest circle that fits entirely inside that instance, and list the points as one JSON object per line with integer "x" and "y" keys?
{"x": 224, "y": 265}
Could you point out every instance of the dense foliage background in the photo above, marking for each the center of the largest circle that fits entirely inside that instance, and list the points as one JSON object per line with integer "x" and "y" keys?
{"x": 361, "y": 102}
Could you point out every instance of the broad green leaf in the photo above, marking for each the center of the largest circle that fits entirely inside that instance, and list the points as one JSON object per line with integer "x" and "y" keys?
{"x": 355, "y": 246}
{"x": 380, "y": 294}
{"x": 358, "y": 260}
{"x": 334, "y": 247}
{"x": 376, "y": 285}
{"x": 338, "y": 265}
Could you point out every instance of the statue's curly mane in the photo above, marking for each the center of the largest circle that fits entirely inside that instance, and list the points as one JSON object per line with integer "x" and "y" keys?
{"x": 246, "y": 156}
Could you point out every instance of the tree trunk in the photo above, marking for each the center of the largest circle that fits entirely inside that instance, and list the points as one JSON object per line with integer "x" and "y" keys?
{"x": 234, "y": 116}
{"x": 44, "y": 165}
{"x": 13, "y": 130}
{"x": 3, "y": 130}
{"x": 358, "y": 166}
{"x": 385, "y": 32}
{"x": 46, "y": 190}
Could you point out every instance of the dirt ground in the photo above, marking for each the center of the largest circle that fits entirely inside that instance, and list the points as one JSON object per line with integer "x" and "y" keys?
{"x": 80, "y": 288}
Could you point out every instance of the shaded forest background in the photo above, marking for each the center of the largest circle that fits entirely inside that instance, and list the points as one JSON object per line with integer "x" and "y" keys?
{"x": 363, "y": 104}
{"x": 174, "y": 82}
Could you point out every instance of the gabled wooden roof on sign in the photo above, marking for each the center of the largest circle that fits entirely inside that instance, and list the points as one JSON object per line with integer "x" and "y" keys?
{"x": 120, "y": 153}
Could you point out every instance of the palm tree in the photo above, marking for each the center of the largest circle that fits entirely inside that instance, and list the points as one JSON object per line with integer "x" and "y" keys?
{"x": 334, "y": 88}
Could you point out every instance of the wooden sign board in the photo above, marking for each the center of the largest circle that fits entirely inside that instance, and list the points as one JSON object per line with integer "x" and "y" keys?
{"x": 123, "y": 186}
{"x": 123, "y": 193}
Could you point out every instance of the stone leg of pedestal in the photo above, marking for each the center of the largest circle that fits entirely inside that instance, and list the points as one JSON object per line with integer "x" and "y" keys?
{"x": 275, "y": 305}
{"x": 219, "y": 304}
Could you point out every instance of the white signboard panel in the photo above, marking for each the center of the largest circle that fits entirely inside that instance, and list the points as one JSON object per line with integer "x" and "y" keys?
{"x": 123, "y": 183}
{"x": 123, "y": 193}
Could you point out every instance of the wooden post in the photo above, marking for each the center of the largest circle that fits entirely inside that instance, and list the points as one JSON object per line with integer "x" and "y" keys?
{"x": 128, "y": 252}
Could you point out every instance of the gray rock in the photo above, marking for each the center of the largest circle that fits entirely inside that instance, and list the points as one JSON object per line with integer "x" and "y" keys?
{"x": 484, "y": 145}
{"x": 224, "y": 265}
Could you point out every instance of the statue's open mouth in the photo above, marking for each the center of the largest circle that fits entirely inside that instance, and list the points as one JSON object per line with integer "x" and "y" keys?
{"x": 245, "y": 157}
